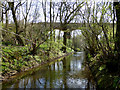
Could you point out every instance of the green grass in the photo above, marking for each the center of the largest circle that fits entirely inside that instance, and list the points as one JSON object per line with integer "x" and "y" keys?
{"x": 18, "y": 58}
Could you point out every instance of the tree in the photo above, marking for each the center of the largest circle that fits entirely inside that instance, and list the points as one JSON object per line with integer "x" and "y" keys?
{"x": 4, "y": 11}
{"x": 44, "y": 11}
{"x": 13, "y": 9}
{"x": 117, "y": 41}
{"x": 1, "y": 18}
{"x": 50, "y": 25}
{"x": 97, "y": 31}
{"x": 25, "y": 15}
{"x": 53, "y": 7}
{"x": 67, "y": 12}
{"x": 36, "y": 32}
{"x": 2, "y": 15}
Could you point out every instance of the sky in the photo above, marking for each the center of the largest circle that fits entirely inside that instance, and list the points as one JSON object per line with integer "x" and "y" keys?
{"x": 40, "y": 10}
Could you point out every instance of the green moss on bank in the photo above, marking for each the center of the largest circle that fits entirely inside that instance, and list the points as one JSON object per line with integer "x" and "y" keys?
{"x": 17, "y": 58}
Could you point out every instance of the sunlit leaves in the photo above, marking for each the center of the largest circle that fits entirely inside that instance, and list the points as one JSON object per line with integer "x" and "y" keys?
{"x": 102, "y": 67}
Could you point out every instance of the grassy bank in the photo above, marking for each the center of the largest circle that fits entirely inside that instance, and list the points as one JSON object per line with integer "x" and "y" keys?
{"x": 16, "y": 59}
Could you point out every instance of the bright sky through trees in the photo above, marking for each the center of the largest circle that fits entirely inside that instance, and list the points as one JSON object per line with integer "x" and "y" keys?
{"x": 37, "y": 6}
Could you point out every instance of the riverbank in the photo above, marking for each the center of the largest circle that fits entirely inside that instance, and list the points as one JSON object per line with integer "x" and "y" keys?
{"x": 66, "y": 72}
{"x": 102, "y": 72}
{"x": 19, "y": 76}
{"x": 16, "y": 60}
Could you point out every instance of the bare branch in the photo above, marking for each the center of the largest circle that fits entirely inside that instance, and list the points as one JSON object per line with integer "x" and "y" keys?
{"x": 18, "y": 5}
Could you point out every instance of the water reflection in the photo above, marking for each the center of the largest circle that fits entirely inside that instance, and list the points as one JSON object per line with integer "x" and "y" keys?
{"x": 66, "y": 73}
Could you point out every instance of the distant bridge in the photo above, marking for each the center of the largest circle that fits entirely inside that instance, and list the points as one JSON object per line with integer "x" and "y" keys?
{"x": 71, "y": 26}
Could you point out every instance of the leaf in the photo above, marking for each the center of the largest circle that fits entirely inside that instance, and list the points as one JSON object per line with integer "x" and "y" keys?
{"x": 102, "y": 67}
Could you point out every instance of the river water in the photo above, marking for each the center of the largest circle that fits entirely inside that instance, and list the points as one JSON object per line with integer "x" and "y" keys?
{"x": 66, "y": 73}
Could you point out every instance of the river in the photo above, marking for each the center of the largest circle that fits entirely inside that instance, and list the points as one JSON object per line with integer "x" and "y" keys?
{"x": 66, "y": 73}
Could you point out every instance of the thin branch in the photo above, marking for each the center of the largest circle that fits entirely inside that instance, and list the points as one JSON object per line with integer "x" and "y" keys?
{"x": 18, "y": 5}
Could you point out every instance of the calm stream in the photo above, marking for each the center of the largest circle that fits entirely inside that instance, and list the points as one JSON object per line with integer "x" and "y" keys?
{"x": 65, "y": 73}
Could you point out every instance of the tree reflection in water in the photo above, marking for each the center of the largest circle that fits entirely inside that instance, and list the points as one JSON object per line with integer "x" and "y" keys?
{"x": 66, "y": 73}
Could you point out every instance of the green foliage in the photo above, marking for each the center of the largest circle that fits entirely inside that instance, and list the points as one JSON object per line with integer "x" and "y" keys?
{"x": 103, "y": 58}
{"x": 100, "y": 70}
{"x": 89, "y": 56}
{"x": 44, "y": 46}
{"x": 102, "y": 67}
{"x": 12, "y": 57}
{"x": 18, "y": 58}
{"x": 69, "y": 49}
{"x": 116, "y": 83}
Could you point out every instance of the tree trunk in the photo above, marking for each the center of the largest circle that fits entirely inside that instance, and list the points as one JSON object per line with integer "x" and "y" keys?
{"x": 117, "y": 42}
{"x": 6, "y": 20}
{"x": 34, "y": 48}
{"x": 64, "y": 41}
{"x": 53, "y": 20}
{"x": 50, "y": 25}
{"x": 69, "y": 37}
{"x": 20, "y": 41}
{"x": 44, "y": 11}
{"x": 59, "y": 35}
{"x": 2, "y": 16}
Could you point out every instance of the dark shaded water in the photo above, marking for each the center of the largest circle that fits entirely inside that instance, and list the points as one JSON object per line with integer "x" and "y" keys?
{"x": 66, "y": 73}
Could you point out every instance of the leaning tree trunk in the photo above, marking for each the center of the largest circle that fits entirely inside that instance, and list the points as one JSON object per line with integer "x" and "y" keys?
{"x": 20, "y": 41}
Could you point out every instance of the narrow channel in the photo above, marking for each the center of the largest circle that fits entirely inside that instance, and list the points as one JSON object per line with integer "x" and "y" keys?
{"x": 66, "y": 73}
